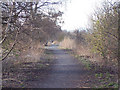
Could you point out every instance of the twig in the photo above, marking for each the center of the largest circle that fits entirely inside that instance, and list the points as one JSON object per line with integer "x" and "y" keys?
{"x": 3, "y": 39}
{"x": 11, "y": 47}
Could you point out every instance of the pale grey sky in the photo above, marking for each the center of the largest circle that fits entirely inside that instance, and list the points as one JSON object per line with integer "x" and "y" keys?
{"x": 77, "y": 13}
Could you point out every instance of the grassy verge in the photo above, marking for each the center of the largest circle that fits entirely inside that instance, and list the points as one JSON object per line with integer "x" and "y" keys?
{"x": 17, "y": 75}
{"x": 102, "y": 77}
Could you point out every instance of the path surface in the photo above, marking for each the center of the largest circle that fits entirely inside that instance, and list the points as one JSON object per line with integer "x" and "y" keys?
{"x": 66, "y": 72}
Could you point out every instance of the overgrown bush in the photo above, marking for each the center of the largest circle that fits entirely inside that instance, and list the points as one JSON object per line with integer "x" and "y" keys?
{"x": 104, "y": 36}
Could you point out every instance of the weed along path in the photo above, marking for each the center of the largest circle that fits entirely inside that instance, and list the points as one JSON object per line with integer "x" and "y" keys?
{"x": 55, "y": 69}
{"x": 65, "y": 72}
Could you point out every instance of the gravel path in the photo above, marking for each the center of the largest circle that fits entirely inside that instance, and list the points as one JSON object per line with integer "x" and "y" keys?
{"x": 66, "y": 72}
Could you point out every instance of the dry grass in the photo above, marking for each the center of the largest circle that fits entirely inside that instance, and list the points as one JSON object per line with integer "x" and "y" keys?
{"x": 29, "y": 54}
{"x": 33, "y": 53}
{"x": 96, "y": 59}
{"x": 82, "y": 50}
{"x": 85, "y": 51}
{"x": 68, "y": 43}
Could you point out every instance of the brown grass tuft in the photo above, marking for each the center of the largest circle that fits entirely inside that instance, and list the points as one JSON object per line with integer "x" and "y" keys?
{"x": 68, "y": 43}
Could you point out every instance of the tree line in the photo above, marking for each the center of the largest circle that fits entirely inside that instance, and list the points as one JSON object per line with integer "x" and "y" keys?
{"x": 27, "y": 22}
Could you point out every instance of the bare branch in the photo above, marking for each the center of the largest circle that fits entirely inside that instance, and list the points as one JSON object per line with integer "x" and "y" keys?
{"x": 3, "y": 39}
{"x": 11, "y": 47}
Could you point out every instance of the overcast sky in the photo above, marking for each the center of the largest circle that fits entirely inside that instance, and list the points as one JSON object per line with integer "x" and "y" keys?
{"x": 77, "y": 13}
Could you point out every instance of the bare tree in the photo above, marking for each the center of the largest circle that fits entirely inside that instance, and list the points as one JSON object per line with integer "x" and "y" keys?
{"x": 16, "y": 16}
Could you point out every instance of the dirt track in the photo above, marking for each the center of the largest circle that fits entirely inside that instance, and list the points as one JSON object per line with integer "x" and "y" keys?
{"x": 66, "y": 72}
{"x": 56, "y": 69}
